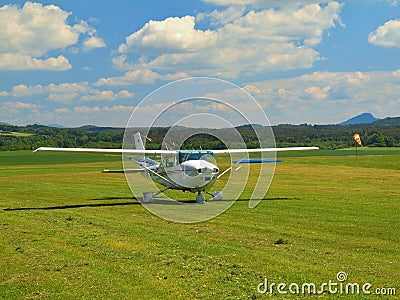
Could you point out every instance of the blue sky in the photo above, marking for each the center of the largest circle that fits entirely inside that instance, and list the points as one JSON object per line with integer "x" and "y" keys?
{"x": 85, "y": 62}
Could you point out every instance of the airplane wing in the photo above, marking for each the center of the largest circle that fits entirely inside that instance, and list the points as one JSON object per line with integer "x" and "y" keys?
{"x": 107, "y": 151}
{"x": 155, "y": 152}
{"x": 263, "y": 150}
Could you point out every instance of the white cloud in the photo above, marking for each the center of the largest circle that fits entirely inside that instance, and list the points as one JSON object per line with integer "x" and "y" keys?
{"x": 84, "y": 27}
{"x": 25, "y": 105}
{"x": 306, "y": 24}
{"x": 92, "y": 43}
{"x": 115, "y": 115}
{"x": 61, "y": 110}
{"x": 386, "y": 35}
{"x": 136, "y": 76}
{"x": 231, "y": 2}
{"x": 78, "y": 87}
{"x": 106, "y": 95}
{"x": 328, "y": 97}
{"x": 317, "y": 92}
{"x": 266, "y": 3}
{"x": 357, "y": 78}
{"x": 23, "y": 90}
{"x": 16, "y": 61}
{"x": 10, "y": 109}
{"x": 29, "y": 33}
{"x": 319, "y": 97}
{"x": 125, "y": 94}
{"x": 97, "y": 109}
{"x": 55, "y": 89}
{"x": 217, "y": 17}
{"x": 26, "y": 30}
{"x": 253, "y": 43}
{"x": 63, "y": 97}
{"x": 396, "y": 73}
{"x": 68, "y": 92}
{"x": 172, "y": 35}
{"x": 119, "y": 108}
{"x": 139, "y": 76}
{"x": 86, "y": 109}
{"x": 395, "y": 103}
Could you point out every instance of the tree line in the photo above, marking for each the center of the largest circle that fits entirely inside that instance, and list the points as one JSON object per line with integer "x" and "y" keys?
{"x": 383, "y": 134}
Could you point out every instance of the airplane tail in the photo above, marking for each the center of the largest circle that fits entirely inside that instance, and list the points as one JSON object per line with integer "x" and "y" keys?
{"x": 138, "y": 141}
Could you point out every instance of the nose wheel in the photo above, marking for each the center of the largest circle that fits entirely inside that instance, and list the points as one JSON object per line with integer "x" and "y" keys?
{"x": 200, "y": 198}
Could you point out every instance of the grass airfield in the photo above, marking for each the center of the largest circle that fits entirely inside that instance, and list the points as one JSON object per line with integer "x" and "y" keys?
{"x": 69, "y": 231}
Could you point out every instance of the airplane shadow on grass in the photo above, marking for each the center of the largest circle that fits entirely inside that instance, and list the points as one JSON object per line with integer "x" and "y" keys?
{"x": 71, "y": 206}
{"x": 271, "y": 199}
{"x": 156, "y": 201}
{"x": 193, "y": 202}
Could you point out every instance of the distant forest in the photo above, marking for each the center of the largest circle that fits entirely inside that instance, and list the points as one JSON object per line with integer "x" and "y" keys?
{"x": 381, "y": 133}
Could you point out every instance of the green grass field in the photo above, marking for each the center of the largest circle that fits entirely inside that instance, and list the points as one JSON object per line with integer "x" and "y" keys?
{"x": 15, "y": 133}
{"x": 70, "y": 232}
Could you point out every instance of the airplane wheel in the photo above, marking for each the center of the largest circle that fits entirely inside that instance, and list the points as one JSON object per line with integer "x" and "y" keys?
{"x": 147, "y": 197}
{"x": 217, "y": 195}
{"x": 200, "y": 198}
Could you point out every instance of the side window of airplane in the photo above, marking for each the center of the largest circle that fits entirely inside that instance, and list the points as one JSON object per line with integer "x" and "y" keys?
{"x": 170, "y": 162}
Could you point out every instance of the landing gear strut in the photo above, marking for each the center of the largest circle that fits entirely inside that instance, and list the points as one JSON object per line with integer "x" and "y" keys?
{"x": 217, "y": 195}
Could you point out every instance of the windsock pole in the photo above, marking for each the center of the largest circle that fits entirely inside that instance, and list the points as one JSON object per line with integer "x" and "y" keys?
{"x": 356, "y": 149}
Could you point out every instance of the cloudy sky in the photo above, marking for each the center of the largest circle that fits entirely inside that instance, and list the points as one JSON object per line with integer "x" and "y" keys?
{"x": 91, "y": 62}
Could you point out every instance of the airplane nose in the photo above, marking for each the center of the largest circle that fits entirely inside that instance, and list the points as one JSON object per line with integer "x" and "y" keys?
{"x": 211, "y": 170}
{"x": 207, "y": 171}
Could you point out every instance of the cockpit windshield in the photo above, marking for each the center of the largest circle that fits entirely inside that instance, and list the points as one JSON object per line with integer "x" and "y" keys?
{"x": 193, "y": 155}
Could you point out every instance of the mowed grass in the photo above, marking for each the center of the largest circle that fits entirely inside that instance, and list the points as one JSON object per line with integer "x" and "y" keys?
{"x": 68, "y": 231}
{"x": 15, "y": 133}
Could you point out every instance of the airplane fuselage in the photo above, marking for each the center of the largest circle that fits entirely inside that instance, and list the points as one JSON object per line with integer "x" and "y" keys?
{"x": 191, "y": 175}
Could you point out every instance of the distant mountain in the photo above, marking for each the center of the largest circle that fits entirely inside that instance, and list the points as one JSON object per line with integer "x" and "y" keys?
{"x": 4, "y": 123}
{"x": 98, "y": 128}
{"x": 49, "y": 125}
{"x": 388, "y": 122}
{"x": 56, "y": 125}
{"x": 89, "y": 127}
{"x": 360, "y": 119}
{"x": 251, "y": 126}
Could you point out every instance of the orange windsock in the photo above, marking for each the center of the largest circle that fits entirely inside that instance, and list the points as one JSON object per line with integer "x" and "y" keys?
{"x": 357, "y": 138}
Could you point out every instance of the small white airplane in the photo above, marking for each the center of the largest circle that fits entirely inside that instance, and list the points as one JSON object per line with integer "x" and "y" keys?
{"x": 185, "y": 170}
